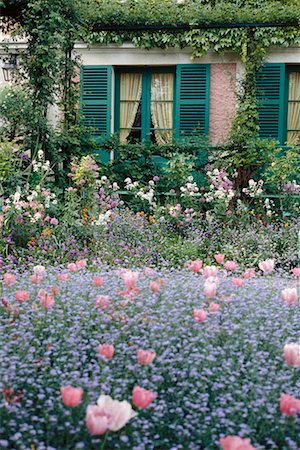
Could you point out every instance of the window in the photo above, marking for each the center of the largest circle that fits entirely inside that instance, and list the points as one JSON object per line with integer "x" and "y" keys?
{"x": 279, "y": 102}
{"x": 154, "y": 104}
{"x": 144, "y": 105}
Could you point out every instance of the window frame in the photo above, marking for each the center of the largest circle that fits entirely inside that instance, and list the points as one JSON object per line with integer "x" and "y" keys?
{"x": 289, "y": 68}
{"x": 146, "y": 72}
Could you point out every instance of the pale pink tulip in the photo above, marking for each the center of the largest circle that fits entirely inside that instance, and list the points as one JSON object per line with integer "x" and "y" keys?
{"x": 145, "y": 357}
{"x": 142, "y": 397}
{"x": 210, "y": 290}
{"x": 248, "y": 274}
{"x": 130, "y": 279}
{"x": 102, "y": 301}
{"x": 289, "y": 405}
{"x": 154, "y": 286}
{"x": 292, "y": 354}
{"x": 36, "y": 278}
{"x": 40, "y": 270}
{"x": 149, "y": 272}
{"x": 230, "y": 265}
{"x": 81, "y": 263}
{"x": 296, "y": 271}
{"x": 210, "y": 280}
{"x": 9, "y": 279}
{"x": 236, "y": 443}
{"x": 267, "y": 266}
{"x": 54, "y": 221}
{"x": 22, "y": 296}
{"x": 71, "y": 396}
{"x": 219, "y": 257}
{"x": 289, "y": 296}
{"x": 200, "y": 315}
{"x": 210, "y": 271}
{"x": 97, "y": 281}
{"x": 214, "y": 307}
{"x": 106, "y": 350}
{"x": 195, "y": 266}
{"x": 63, "y": 277}
{"x": 96, "y": 421}
{"x": 72, "y": 267}
{"x": 238, "y": 282}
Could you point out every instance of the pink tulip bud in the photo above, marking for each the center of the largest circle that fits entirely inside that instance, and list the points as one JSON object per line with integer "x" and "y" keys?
{"x": 47, "y": 301}
{"x": 72, "y": 267}
{"x": 292, "y": 354}
{"x": 130, "y": 279}
{"x": 200, "y": 315}
{"x": 9, "y": 279}
{"x": 40, "y": 270}
{"x": 63, "y": 277}
{"x": 219, "y": 258}
{"x": 230, "y": 265}
{"x": 214, "y": 307}
{"x": 296, "y": 271}
{"x": 210, "y": 271}
{"x": 267, "y": 266}
{"x": 54, "y": 290}
{"x": 142, "y": 398}
{"x": 289, "y": 405}
{"x": 249, "y": 273}
{"x": 22, "y": 296}
{"x": 106, "y": 350}
{"x": 102, "y": 301}
{"x": 149, "y": 272}
{"x": 154, "y": 286}
{"x": 235, "y": 443}
{"x": 195, "y": 266}
{"x": 97, "y": 281}
{"x": 145, "y": 357}
{"x": 81, "y": 263}
{"x": 36, "y": 278}
{"x": 71, "y": 396}
{"x": 210, "y": 290}
{"x": 289, "y": 296}
{"x": 238, "y": 282}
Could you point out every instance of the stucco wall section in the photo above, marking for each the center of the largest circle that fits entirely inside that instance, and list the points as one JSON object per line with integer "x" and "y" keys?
{"x": 222, "y": 101}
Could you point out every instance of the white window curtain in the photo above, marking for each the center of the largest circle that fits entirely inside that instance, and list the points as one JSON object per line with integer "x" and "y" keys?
{"x": 293, "y": 137}
{"x": 130, "y": 92}
{"x": 162, "y": 106}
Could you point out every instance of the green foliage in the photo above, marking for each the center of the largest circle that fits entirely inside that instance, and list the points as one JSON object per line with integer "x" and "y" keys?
{"x": 15, "y": 111}
{"x": 284, "y": 167}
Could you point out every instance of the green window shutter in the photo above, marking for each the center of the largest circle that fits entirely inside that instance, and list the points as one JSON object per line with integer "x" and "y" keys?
{"x": 192, "y": 99}
{"x": 270, "y": 94}
{"x": 96, "y": 99}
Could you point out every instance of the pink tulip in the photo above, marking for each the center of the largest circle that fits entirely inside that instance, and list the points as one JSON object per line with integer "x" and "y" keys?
{"x": 210, "y": 290}
{"x": 214, "y": 307}
{"x": 108, "y": 414}
{"x": 72, "y": 267}
{"x": 81, "y": 263}
{"x": 71, "y": 396}
{"x": 210, "y": 280}
{"x": 289, "y": 296}
{"x": 230, "y": 265}
{"x": 130, "y": 279}
{"x": 296, "y": 271}
{"x": 200, "y": 315}
{"x": 40, "y": 270}
{"x": 63, "y": 277}
{"x": 142, "y": 397}
{"x": 219, "y": 258}
{"x": 155, "y": 286}
{"x": 238, "y": 282}
{"x": 267, "y": 266}
{"x": 289, "y": 405}
{"x": 210, "y": 271}
{"x": 47, "y": 301}
{"x": 148, "y": 272}
{"x": 145, "y": 357}
{"x": 54, "y": 290}
{"x": 9, "y": 279}
{"x": 292, "y": 354}
{"x": 248, "y": 274}
{"x": 195, "y": 266}
{"x": 106, "y": 350}
{"x": 36, "y": 278}
{"x": 22, "y": 296}
{"x": 235, "y": 443}
{"x": 102, "y": 301}
{"x": 97, "y": 281}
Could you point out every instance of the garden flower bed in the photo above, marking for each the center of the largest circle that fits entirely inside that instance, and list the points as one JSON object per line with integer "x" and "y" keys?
{"x": 206, "y": 344}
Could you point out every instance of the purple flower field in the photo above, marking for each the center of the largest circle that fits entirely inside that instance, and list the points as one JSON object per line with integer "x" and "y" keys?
{"x": 213, "y": 378}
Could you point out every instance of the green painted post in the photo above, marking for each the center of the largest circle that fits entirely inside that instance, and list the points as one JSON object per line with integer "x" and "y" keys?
{"x": 299, "y": 248}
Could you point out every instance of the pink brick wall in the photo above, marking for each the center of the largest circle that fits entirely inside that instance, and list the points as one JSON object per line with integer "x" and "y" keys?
{"x": 222, "y": 101}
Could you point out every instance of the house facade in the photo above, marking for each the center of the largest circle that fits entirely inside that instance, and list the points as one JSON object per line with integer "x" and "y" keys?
{"x": 159, "y": 95}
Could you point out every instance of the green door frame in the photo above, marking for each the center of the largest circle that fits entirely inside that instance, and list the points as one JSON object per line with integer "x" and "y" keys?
{"x": 288, "y": 70}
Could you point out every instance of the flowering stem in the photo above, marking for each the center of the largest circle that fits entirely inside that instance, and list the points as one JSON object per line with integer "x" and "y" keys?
{"x": 104, "y": 440}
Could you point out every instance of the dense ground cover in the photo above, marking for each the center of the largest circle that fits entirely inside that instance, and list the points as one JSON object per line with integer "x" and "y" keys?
{"x": 223, "y": 376}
